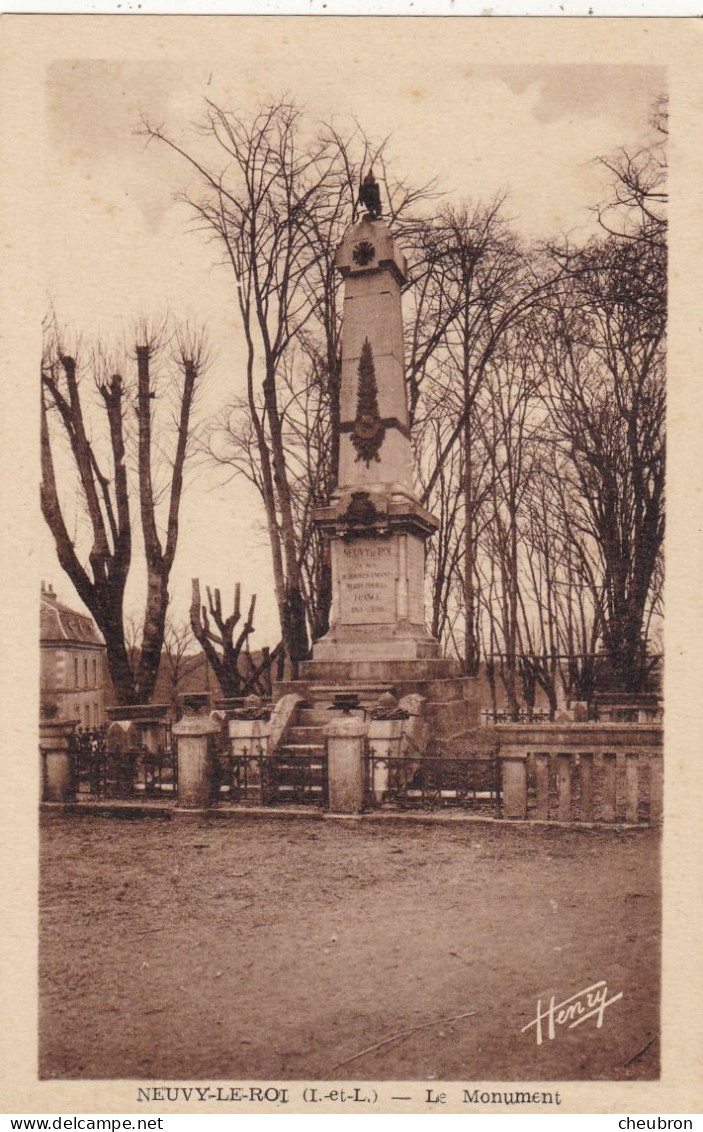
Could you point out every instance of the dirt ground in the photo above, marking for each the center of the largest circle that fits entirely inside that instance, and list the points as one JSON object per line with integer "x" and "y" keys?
{"x": 270, "y": 949}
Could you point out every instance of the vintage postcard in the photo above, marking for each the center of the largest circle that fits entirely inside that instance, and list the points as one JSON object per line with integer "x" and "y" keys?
{"x": 352, "y": 588}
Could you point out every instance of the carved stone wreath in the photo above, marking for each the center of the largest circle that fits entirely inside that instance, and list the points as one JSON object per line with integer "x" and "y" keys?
{"x": 369, "y": 431}
{"x": 363, "y": 253}
{"x": 361, "y": 510}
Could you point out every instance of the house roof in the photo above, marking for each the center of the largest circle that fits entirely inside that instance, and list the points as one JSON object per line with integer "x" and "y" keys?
{"x": 60, "y": 623}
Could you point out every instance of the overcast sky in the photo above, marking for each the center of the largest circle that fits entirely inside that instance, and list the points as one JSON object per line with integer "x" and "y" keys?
{"x": 118, "y": 244}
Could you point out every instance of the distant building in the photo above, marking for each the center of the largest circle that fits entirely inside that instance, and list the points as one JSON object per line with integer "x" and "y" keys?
{"x": 72, "y": 655}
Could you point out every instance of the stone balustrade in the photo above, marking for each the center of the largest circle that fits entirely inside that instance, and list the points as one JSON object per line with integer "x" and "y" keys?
{"x": 585, "y": 772}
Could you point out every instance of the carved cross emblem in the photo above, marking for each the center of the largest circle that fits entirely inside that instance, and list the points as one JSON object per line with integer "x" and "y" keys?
{"x": 363, "y": 253}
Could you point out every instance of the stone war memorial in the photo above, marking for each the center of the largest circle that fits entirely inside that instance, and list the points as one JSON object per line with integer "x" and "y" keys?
{"x": 378, "y": 645}
{"x": 378, "y": 639}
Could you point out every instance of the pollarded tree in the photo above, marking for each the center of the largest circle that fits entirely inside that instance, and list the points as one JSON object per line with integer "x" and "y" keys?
{"x": 226, "y": 647}
{"x": 86, "y": 445}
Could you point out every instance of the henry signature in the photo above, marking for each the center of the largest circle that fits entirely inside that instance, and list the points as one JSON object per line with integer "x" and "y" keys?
{"x": 591, "y": 1002}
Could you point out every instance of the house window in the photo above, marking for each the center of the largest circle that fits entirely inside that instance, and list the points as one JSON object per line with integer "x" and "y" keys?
{"x": 75, "y": 671}
{"x": 95, "y": 672}
{"x": 85, "y": 671}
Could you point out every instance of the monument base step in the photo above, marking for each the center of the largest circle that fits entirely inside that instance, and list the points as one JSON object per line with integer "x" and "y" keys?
{"x": 313, "y": 717}
{"x": 307, "y": 733}
{"x": 374, "y": 648}
{"x": 401, "y": 641}
{"x": 451, "y": 704}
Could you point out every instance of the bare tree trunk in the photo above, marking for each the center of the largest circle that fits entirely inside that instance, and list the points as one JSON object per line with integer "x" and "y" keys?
{"x": 470, "y": 644}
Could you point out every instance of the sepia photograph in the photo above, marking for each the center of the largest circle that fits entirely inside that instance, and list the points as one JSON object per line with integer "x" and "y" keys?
{"x": 350, "y": 403}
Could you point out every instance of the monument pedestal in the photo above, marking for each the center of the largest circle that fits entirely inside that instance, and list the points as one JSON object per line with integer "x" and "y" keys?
{"x": 378, "y": 578}
{"x": 378, "y": 608}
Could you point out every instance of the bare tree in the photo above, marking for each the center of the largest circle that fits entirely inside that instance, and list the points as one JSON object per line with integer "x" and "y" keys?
{"x": 636, "y": 208}
{"x": 480, "y": 284}
{"x": 97, "y": 434}
{"x": 604, "y": 343}
{"x": 178, "y": 660}
{"x": 445, "y": 550}
{"x": 511, "y": 427}
{"x": 257, "y": 204}
{"x": 561, "y": 624}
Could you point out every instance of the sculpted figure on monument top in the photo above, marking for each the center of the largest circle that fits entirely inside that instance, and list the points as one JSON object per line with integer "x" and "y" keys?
{"x": 370, "y": 195}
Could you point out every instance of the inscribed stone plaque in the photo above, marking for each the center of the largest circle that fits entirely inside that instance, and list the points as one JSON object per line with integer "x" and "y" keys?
{"x": 367, "y": 572}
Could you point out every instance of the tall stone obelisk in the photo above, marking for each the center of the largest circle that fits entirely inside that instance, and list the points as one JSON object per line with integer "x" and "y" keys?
{"x": 375, "y": 522}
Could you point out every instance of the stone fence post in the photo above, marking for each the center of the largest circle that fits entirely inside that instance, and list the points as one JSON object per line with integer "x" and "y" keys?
{"x": 192, "y": 735}
{"x": 513, "y": 753}
{"x": 55, "y": 754}
{"x": 513, "y": 764}
{"x": 346, "y": 742}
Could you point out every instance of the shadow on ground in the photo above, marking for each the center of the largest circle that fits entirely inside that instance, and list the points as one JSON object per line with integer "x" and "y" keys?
{"x": 264, "y": 949}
